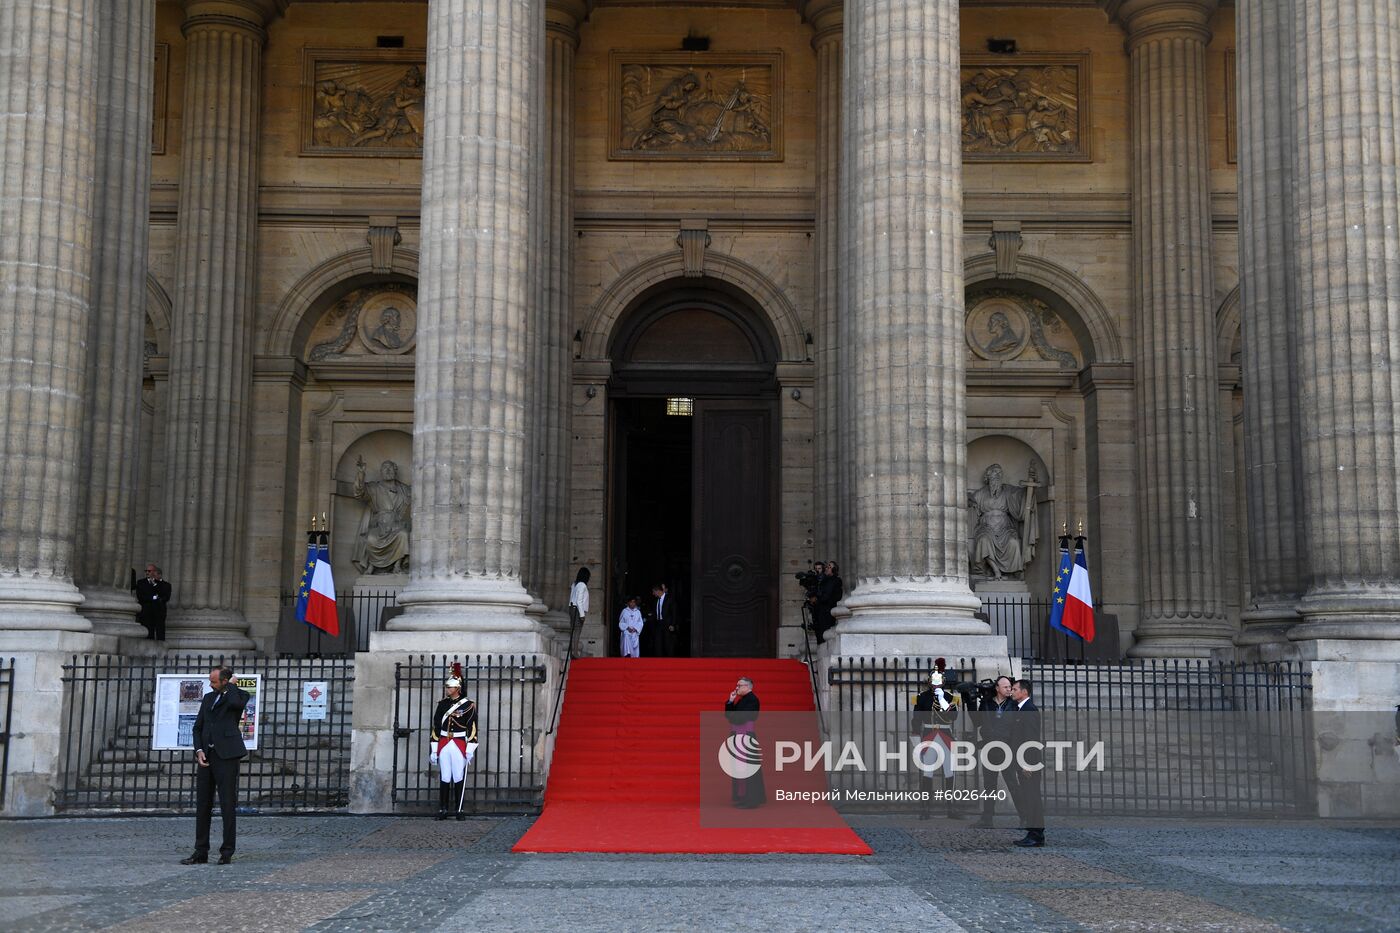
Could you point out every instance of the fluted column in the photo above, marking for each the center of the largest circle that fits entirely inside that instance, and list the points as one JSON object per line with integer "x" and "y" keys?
{"x": 1347, "y": 73}
{"x": 1179, "y": 486}
{"x": 474, "y": 315}
{"x": 110, "y": 446}
{"x": 550, "y": 552}
{"x": 211, "y": 333}
{"x": 48, "y": 83}
{"x": 905, "y": 315}
{"x": 825, "y": 17}
{"x": 1268, "y": 308}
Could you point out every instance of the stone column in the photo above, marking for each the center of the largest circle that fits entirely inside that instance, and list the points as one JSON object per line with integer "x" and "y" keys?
{"x": 48, "y": 121}
{"x": 473, "y": 313}
{"x": 825, "y": 17}
{"x": 1268, "y": 308}
{"x": 551, "y": 343}
{"x": 1347, "y": 133}
{"x": 903, "y": 178}
{"x": 1180, "y": 508}
{"x": 111, "y": 444}
{"x": 49, "y": 62}
{"x": 211, "y": 353}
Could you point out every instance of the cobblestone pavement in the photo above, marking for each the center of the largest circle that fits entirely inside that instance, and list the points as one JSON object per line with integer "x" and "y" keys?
{"x": 385, "y": 873}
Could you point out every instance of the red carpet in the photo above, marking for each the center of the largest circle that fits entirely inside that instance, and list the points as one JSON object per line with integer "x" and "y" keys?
{"x": 627, "y": 763}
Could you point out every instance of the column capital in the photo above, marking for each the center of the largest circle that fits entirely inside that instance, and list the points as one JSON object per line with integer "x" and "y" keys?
{"x": 562, "y": 18}
{"x": 249, "y": 15}
{"x": 827, "y": 18}
{"x": 1146, "y": 20}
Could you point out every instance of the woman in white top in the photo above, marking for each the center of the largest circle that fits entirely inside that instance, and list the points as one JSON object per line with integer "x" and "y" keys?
{"x": 578, "y": 596}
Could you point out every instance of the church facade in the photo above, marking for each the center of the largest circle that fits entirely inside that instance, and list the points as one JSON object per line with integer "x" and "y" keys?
{"x": 702, "y": 292}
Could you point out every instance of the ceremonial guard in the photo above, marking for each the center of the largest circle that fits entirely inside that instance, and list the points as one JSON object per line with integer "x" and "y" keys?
{"x": 935, "y": 711}
{"x": 454, "y": 739}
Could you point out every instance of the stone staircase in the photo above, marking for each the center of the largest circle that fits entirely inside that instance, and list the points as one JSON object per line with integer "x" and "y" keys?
{"x": 298, "y": 764}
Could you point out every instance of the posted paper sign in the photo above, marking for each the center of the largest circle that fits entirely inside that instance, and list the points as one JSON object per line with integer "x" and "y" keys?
{"x": 177, "y": 704}
{"x": 315, "y": 699}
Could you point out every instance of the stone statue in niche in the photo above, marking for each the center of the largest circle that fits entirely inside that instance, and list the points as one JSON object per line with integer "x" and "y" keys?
{"x": 1006, "y": 533}
{"x": 382, "y": 545}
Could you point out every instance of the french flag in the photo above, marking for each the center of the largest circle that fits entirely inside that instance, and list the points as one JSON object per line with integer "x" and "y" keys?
{"x": 1073, "y": 609}
{"x": 320, "y": 598}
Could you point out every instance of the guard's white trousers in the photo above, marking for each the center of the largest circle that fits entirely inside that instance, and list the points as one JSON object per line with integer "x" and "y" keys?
{"x": 453, "y": 757}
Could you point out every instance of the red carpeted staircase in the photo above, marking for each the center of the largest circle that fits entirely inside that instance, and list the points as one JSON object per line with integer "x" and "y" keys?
{"x": 626, "y": 772}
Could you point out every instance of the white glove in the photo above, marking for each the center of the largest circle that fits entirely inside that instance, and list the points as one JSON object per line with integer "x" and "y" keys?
{"x": 432, "y": 758}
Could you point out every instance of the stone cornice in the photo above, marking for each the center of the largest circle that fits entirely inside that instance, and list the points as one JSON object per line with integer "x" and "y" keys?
{"x": 562, "y": 18}
{"x": 1154, "y": 20}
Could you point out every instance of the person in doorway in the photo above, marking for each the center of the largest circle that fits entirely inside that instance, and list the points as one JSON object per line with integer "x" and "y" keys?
{"x": 153, "y": 595}
{"x": 218, "y": 751}
{"x": 741, "y": 709}
{"x": 630, "y": 623}
{"x": 454, "y": 742}
{"x": 578, "y": 596}
{"x": 1024, "y": 775}
{"x": 667, "y": 619}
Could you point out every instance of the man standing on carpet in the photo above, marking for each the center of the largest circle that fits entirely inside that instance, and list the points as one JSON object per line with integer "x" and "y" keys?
{"x": 454, "y": 741}
{"x": 741, "y": 709}
{"x": 630, "y": 622}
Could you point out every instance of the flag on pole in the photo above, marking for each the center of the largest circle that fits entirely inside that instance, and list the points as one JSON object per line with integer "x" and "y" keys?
{"x": 308, "y": 570}
{"x": 1072, "y": 609}
{"x": 320, "y": 601}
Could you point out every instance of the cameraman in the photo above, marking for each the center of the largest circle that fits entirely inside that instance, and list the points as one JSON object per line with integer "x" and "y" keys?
{"x": 829, "y": 593}
{"x": 993, "y": 721}
{"x": 810, "y": 581}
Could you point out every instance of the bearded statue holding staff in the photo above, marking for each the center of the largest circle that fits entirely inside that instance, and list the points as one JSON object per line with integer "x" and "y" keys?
{"x": 1004, "y": 538}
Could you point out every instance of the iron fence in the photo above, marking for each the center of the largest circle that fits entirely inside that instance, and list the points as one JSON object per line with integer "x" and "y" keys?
{"x": 7, "y": 709}
{"x": 362, "y": 612}
{"x": 1182, "y": 737}
{"x": 1026, "y": 625}
{"x": 109, "y": 762}
{"x": 507, "y": 773}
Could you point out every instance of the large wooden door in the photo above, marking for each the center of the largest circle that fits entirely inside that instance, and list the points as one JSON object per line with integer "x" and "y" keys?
{"x": 733, "y": 606}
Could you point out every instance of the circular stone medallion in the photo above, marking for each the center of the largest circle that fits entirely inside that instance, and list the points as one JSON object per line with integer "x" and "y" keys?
{"x": 997, "y": 329}
{"x": 389, "y": 323}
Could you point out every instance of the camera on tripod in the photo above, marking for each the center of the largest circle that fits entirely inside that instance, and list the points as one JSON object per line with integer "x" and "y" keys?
{"x": 975, "y": 694}
{"x": 809, "y": 580}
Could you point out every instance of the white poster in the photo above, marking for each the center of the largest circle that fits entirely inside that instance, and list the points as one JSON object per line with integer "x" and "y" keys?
{"x": 315, "y": 699}
{"x": 177, "y": 704}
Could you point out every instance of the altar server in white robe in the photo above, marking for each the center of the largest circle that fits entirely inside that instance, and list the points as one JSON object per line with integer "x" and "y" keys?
{"x": 630, "y": 622}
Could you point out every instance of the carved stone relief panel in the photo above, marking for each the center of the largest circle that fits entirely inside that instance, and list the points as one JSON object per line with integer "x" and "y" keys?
{"x": 1005, "y": 326}
{"x": 362, "y": 102}
{"x": 160, "y": 90}
{"x": 696, "y": 106}
{"x": 1032, "y": 108}
{"x": 377, "y": 320}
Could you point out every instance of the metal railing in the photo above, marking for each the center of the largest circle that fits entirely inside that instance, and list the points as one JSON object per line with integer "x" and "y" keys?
{"x": 109, "y": 764}
{"x": 507, "y": 773}
{"x": 1026, "y": 625}
{"x": 362, "y": 612}
{"x": 1182, "y": 736}
{"x": 7, "y": 710}
{"x": 575, "y": 630}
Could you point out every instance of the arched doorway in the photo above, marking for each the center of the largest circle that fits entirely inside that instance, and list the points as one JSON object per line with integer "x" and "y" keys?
{"x": 693, "y": 463}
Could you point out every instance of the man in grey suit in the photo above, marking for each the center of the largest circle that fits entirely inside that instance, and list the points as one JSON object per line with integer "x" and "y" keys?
{"x": 218, "y": 749}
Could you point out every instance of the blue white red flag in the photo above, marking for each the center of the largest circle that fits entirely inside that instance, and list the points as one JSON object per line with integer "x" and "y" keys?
{"x": 320, "y": 600}
{"x": 1072, "y": 607}
{"x": 308, "y": 570}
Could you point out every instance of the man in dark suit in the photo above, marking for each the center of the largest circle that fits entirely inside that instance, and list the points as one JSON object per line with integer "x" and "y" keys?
{"x": 218, "y": 749}
{"x": 1024, "y": 783}
{"x": 667, "y": 620}
{"x": 153, "y": 593}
